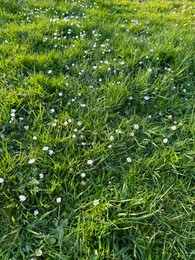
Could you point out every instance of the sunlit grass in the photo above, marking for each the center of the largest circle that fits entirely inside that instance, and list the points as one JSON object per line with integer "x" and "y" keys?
{"x": 97, "y": 129}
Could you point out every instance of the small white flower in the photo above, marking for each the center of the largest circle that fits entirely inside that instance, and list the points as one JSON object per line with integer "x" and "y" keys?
{"x": 52, "y": 110}
{"x": 173, "y": 127}
{"x": 26, "y": 127}
{"x": 49, "y": 71}
{"x": 111, "y": 138}
{"x": 60, "y": 94}
{"x": 118, "y": 131}
{"x": 45, "y": 148}
{"x": 13, "y": 114}
{"x": 74, "y": 136}
{"x": 90, "y": 162}
{"x": 129, "y": 159}
{"x": 83, "y": 105}
{"x": 79, "y": 123}
{"x": 34, "y": 138}
{"x": 54, "y": 124}
{"x": 66, "y": 123}
{"x": 109, "y": 146}
{"x": 96, "y": 202}
{"x": 41, "y": 175}
{"x": 51, "y": 152}
{"x": 136, "y": 126}
{"x": 31, "y": 161}
{"x": 165, "y": 140}
{"x": 22, "y": 198}
{"x": 38, "y": 252}
{"x": 146, "y": 97}
{"x": 58, "y": 200}
{"x": 1, "y": 180}
{"x": 36, "y": 212}
{"x": 83, "y": 174}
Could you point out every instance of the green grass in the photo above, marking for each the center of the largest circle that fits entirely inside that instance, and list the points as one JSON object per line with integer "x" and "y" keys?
{"x": 106, "y": 81}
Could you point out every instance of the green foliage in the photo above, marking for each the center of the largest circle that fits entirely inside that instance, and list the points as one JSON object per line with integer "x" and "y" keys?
{"x": 97, "y": 129}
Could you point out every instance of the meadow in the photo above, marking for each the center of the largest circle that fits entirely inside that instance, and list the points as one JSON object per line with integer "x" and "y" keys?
{"x": 97, "y": 130}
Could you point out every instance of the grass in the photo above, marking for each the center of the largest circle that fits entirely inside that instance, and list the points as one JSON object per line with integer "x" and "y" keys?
{"x": 97, "y": 129}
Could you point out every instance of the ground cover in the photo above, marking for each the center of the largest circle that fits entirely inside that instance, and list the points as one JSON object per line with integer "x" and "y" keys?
{"x": 97, "y": 129}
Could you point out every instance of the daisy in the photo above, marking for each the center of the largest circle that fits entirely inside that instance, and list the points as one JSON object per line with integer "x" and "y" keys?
{"x": 90, "y": 162}
{"x": 36, "y": 212}
{"x": 136, "y": 126}
{"x": 52, "y": 110}
{"x": 165, "y": 140}
{"x": 51, "y": 152}
{"x": 22, "y": 198}
{"x": 1, "y": 180}
{"x": 129, "y": 159}
{"x": 146, "y": 97}
{"x": 38, "y": 252}
{"x": 96, "y": 202}
{"x": 31, "y": 161}
{"x": 173, "y": 127}
{"x": 45, "y": 148}
{"x": 59, "y": 199}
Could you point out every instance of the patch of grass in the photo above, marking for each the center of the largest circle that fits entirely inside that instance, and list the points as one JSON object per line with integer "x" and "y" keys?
{"x": 97, "y": 129}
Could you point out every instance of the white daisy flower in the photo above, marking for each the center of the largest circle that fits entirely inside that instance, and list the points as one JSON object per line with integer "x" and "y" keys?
{"x": 31, "y": 161}
{"x": 59, "y": 199}
{"x": 38, "y": 252}
{"x": 96, "y": 202}
{"x": 52, "y": 110}
{"x": 26, "y": 127}
{"x": 22, "y": 198}
{"x": 173, "y": 127}
{"x": 41, "y": 175}
{"x": 111, "y": 138}
{"x": 36, "y": 212}
{"x": 45, "y": 148}
{"x": 90, "y": 162}
{"x": 146, "y": 97}
{"x": 129, "y": 159}
{"x": 51, "y": 152}
{"x": 165, "y": 140}
{"x": 1, "y": 180}
{"x": 136, "y": 126}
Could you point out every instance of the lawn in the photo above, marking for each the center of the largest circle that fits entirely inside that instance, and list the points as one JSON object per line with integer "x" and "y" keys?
{"x": 97, "y": 130}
